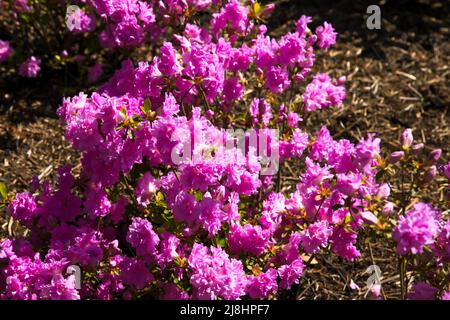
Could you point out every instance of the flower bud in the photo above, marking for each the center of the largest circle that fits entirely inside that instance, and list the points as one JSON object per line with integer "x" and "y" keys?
{"x": 259, "y": 72}
{"x": 435, "y": 155}
{"x": 262, "y": 29}
{"x": 388, "y": 208}
{"x": 364, "y": 192}
{"x": 298, "y": 77}
{"x": 430, "y": 174}
{"x": 369, "y": 217}
{"x": 353, "y": 285}
{"x": 417, "y": 148}
{"x": 35, "y": 184}
{"x": 187, "y": 232}
{"x": 221, "y": 192}
{"x": 268, "y": 9}
{"x": 209, "y": 114}
{"x": 406, "y": 138}
{"x": 396, "y": 156}
{"x": 383, "y": 191}
{"x": 446, "y": 170}
{"x": 375, "y": 291}
{"x": 311, "y": 40}
{"x": 292, "y": 119}
{"x": 341, "y": 80}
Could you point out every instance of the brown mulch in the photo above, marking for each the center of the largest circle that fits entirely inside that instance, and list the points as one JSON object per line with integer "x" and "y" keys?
{"x": 34, "y": 149}
{"x": 398, "y": 77}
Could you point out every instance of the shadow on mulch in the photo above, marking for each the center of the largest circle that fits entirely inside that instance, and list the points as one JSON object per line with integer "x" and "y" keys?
{"x": 424, "y": 19}
{"x": 25, "y": 100}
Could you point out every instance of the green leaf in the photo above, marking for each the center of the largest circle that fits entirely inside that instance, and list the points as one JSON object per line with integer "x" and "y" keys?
{"x": 25, "y": 17}
{"x": 198, "y": 196}
{"x": 336, "y": 206}
{"x": 123, "y": 111}
{"x": 159, "y": 198}
{"x": 348, "y": 219}
{"x": 3, "y": 191}
{"x": 379, "y": 175}
{"x": 257, "y": 8}
{"x": 146, "y": 108}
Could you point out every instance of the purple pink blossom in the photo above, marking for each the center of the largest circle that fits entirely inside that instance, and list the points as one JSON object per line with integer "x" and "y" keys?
{"x": 30, "y": 68}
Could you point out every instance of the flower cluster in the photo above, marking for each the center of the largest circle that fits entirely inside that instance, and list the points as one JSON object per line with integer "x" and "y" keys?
{"x": 418, "y": 228}
{"x": 66, "y": 33}
{"x": 5, "y": 50}
{"x": 79, "y": 21}
{"x": 30, "y": 68}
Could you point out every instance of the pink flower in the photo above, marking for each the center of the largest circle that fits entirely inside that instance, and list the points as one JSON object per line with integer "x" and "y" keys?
{"x": 435, "y": 155}
{"x": 316, "y": 236}
{"x": 369, "y": 217}
{"x": 326, "y": 36}
{"x": 5, "y": 50}
{"x": 30, "y": 68}
{"x": 302, "y": 24}
{"x": 248, "y": 238}
{"x": 142, "y": 237}
{"x": 396, "y": 156}
{"x": 422, "y": 291}
{"x": 343, "y": 243}
{"x": 383, "y": 191}
{"x": 97, "y": 203}
{"x": 388, "y": 209}
{"x": 446, "y": 296}
{"x": 169, "y": 65}
{"x": 135, "y": 272}
{"x": 277, "y": 79}
{"x": 233, "y": 14}
{"x": 406, "y": 139}
{"x": 146, "y": 188}
{"x": 232, "y": 89}
{"x": 291, "y": 273}
{"x": 215, "y": 275}
{"x": 23, "y": 207}
{"x": 446, "y": 170}
{"x": 291, "y": 49}
{"x": 79, "y": 21}
{"x": 416, "y": 229}
{"x": 323, "y": 93}
{"x": 293, "y": 119}
{"x": 22, "y": 6}
{"x": 262, "y": 285}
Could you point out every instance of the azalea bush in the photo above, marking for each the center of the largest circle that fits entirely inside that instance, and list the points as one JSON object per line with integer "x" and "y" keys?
{"x": 82, "y": 38}
{"x": 36, "y": 41}
{"x": 181, "y": 195}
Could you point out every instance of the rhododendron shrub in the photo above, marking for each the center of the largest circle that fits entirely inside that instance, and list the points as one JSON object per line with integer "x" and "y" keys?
{"x": 169, "y": 205}
{"x": 79, "y": 34}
